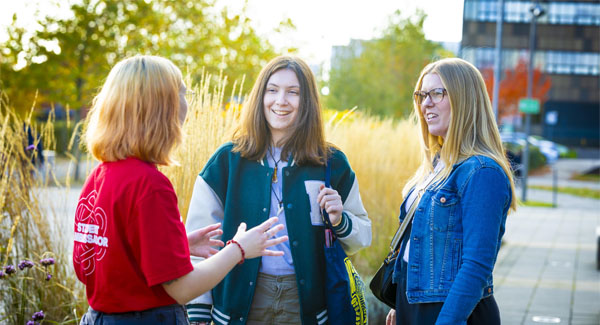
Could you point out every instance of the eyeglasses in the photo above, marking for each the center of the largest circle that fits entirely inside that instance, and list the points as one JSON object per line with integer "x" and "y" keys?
{"x": 436, "y": 95}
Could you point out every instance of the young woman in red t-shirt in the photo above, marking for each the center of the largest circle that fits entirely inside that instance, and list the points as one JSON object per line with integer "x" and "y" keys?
{"x": 131, "y": 249}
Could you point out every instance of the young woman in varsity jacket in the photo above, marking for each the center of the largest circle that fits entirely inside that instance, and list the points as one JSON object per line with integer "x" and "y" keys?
{"x": 275, "y": 166}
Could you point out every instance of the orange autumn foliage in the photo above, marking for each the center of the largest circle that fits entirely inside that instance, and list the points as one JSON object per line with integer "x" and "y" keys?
{"x": 513, "y": 87}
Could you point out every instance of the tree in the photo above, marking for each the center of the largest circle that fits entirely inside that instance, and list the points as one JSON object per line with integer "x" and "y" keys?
{"x": 514, "y": 87}
{"x": 68, "y": 59}
{"x": 380, "y": 74}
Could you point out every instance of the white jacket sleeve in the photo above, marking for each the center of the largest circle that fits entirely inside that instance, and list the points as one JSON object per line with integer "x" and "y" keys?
{"x": 354, "y": 231}
{"x": 205, "y": 209}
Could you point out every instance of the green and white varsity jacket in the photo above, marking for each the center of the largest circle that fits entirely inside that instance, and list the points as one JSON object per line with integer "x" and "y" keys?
{"x": 231, "y": 189}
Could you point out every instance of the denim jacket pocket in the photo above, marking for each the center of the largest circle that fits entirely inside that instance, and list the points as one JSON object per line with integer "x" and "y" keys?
{"x": 443, "y": 209}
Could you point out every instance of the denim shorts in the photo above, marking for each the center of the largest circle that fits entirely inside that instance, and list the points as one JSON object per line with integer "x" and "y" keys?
{"x": 173, "y": 314}
{"x": 275, "y": 301}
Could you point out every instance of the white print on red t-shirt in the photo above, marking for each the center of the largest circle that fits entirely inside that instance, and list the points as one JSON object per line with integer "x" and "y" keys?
{"x": 90, "y": 231}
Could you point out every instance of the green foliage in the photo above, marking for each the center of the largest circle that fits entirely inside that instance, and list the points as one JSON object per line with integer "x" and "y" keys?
{"x": 536, "y": 158}
{"x": 68, "y": 59}
{"x": 380, "y": 74}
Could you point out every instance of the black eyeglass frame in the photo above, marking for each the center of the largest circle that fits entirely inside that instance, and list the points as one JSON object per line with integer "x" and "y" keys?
{"x": 420, "y": 96}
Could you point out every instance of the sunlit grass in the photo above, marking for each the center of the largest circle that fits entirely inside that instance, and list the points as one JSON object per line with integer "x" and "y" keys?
{"x": 577, "y": 191}
{"x": 587, "y": 178}
{"x": 536, "y": 204}
{"x": 30, "y": 230}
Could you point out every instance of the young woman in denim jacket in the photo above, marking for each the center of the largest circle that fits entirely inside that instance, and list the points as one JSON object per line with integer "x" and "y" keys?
{"x": 463, "y": 191}
{"x": 275, "y": 166}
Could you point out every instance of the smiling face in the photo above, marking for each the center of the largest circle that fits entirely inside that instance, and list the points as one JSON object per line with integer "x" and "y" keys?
{"x": 437, "y": 115}
{"x": 281, "y": 101}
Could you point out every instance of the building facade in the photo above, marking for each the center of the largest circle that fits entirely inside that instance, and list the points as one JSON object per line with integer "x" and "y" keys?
{"x": 567, "y": 49}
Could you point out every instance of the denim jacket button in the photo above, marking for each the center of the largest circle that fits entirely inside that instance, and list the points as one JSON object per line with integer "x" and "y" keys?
{"x": 443, "y": 200}
{"x": 489, "y": 290}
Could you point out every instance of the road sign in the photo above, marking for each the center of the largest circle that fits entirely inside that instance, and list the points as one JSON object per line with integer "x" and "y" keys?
{"x": 529, "y": 105}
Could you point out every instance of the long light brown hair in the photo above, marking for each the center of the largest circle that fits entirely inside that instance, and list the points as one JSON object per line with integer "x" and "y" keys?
{"x": 136, "y": 113}
{"x": 306, "y": 140}
{"x": 472, "y": 129}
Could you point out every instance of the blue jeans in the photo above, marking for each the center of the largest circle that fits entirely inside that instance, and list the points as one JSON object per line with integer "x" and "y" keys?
{"x": 173, "y": 314}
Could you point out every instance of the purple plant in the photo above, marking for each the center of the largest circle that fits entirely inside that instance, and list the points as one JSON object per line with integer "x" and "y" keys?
{"x": 9, "y": 269}
{"x": 38, "y": 315}
{"x": 47, "y": 261}
{"x": 25, "y": 264}
{"x": 31, "y": 323}
{"x": 48, "y": 277}
{"x": 2, "y": 275}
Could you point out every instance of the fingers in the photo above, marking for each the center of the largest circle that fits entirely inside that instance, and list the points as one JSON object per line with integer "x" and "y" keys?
{"x": 391, "y": 317}
{"x": 214, "y": 233}
{"x": 216, "y": 242}
{"x": 332, "y": 207}
{"x": 242, "y": 227}
{"x": 328, "y": 196}
{"x": 267, "y": 252}
{"x": 267, "y": 224}
{"x": 210, "y": 228}
{"x": 273, "y": 231}
{"x": 324, "y": 191}
{"x": 275, "y": 241}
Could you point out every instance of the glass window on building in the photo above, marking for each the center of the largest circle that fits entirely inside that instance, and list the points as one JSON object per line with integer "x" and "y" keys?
{"x": 565, "y": 13}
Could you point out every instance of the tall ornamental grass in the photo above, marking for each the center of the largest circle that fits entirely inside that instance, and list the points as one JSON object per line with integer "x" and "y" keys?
{"x": 36, "y": 278}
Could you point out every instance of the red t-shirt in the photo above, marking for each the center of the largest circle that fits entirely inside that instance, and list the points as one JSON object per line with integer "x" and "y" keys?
{"x": 129, "y": 237}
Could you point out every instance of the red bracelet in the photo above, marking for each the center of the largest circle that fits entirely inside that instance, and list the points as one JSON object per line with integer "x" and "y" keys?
{"x": 241, "y": 249}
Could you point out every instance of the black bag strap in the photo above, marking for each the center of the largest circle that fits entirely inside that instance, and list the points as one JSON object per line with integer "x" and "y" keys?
{"x": 395, "y": 244}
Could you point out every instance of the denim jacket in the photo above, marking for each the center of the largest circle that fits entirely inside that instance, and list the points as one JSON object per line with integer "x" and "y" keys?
{"x": 456, "y": 234}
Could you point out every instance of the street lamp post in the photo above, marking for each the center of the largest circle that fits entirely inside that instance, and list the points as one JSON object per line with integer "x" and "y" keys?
{"x": 536, "y": 12}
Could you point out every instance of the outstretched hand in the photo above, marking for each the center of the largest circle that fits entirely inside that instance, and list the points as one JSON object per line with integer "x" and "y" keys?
{"x": 201, "y": 242}
{"x": 256, "y": 240}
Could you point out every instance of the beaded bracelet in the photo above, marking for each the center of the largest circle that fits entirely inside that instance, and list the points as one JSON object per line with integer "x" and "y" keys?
{"x": 241, "y": 249}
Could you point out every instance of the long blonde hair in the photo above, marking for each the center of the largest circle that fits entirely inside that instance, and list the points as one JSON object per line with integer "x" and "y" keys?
{"x": 306, "y": 141}
{"x": 472, "y": 129}
{"x": 136, "y": 113}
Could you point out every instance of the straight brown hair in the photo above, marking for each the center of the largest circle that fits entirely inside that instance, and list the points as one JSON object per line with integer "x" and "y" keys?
{"x": 306, "y": 141}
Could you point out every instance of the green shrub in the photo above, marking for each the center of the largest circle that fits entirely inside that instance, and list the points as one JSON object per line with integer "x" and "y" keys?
{"x": 536, "y": 158}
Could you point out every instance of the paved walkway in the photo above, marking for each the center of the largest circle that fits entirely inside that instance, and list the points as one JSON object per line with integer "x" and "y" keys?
{"x": 546, "y": 268}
